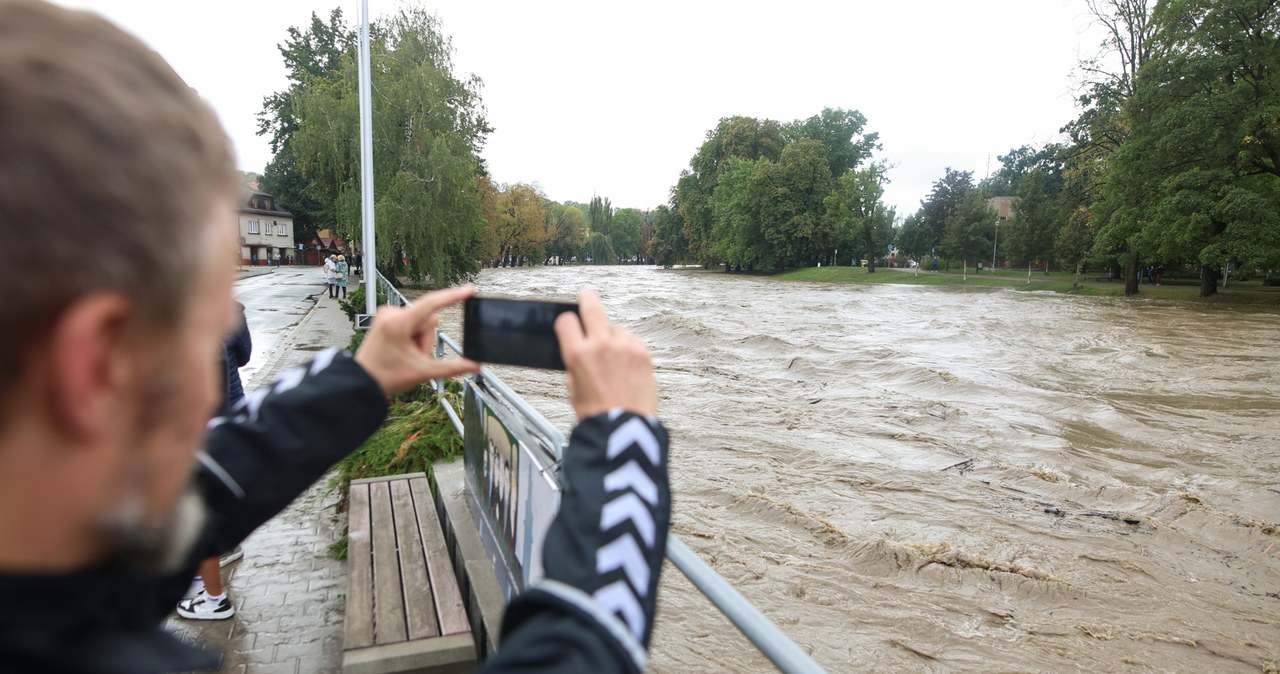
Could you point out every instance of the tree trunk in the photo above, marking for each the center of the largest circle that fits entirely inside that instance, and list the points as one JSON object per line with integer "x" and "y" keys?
{"x": 1131, "y": 274}
{"x": 1208, "y": 281}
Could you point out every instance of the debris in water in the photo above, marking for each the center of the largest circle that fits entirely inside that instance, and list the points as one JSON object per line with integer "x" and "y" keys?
{"x": 814, "y": 401}
{"x": 1113, "y": 516}
{"x": 963, "y": 466}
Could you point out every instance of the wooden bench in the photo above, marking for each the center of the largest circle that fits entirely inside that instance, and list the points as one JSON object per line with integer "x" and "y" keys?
{"x": 404, "y": 610}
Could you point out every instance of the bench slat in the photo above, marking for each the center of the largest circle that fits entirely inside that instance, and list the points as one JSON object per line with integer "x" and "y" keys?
{"x": 389, "y": 624}
{"x": 448, "y": 598}
{"x": 359, "y": 620}
{"x": 419, "y": 607}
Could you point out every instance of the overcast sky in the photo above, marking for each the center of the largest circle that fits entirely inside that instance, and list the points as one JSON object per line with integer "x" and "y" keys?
{"x": 613, "y": 98}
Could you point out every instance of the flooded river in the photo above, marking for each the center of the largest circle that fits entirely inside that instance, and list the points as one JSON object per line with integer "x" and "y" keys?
{"x": 918, "y": 479}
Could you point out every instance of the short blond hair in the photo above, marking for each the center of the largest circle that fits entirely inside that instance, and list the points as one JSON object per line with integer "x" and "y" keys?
{"x": 109, "y": 164}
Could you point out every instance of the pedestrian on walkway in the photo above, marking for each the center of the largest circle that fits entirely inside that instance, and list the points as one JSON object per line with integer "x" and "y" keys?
{"x": 330, "y": 268}
{"x": 106, "y": 385}
{"x": 340, "y": 276}
{"x": 206, "y": 598}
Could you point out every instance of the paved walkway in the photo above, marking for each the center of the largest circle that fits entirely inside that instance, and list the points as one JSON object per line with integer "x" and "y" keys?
{"x": 287, "y": 592}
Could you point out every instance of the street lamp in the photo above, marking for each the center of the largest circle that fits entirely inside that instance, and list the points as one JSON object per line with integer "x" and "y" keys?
{"x": 993, "y": 247}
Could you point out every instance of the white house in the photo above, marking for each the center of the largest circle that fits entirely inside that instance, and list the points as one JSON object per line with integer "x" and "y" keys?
{"x": 266, "y": 231}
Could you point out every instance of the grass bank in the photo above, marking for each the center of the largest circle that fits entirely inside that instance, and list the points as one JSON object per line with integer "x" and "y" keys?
{"x": 1236, "y": 292}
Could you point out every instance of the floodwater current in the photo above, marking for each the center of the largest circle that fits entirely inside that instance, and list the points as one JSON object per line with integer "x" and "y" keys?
{"x": 919, "y": 479}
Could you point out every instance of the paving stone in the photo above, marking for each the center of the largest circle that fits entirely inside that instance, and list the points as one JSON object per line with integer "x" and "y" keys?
{"x": 289, "y": 666}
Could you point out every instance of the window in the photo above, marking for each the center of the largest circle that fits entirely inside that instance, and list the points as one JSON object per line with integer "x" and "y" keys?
{"x": 281, "y": 229}
{"x": 255, "y": 227}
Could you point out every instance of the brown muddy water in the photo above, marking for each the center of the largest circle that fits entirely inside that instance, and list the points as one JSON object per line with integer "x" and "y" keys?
{"x": 920, "y": 479}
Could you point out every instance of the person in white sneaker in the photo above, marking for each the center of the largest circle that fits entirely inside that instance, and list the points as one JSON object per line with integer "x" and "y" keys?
{"x": 206, "y": 599}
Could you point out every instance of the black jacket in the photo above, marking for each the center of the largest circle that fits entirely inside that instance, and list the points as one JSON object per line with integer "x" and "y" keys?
{"x": 236, "y": 352}
{"x": 593, "y": 613}
{"x": 107, "y": 618}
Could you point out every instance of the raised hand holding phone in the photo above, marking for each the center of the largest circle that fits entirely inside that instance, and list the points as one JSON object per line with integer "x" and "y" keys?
{"x": 606, "y": 366}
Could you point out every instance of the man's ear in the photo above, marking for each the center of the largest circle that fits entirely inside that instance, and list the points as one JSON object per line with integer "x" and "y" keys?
{"x": 89, "y": 361}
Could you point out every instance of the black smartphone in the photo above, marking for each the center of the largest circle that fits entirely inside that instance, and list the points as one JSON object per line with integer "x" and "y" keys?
{"x": 513, "y": 332}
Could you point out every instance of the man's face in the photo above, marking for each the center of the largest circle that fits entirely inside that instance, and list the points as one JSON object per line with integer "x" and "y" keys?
{"x": 172, "y": 406}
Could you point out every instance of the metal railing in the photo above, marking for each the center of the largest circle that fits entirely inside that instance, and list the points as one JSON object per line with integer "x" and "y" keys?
{"x": 763, "y": 633}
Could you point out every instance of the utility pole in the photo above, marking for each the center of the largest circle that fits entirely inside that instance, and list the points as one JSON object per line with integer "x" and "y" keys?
{"x": 370, "y": 251}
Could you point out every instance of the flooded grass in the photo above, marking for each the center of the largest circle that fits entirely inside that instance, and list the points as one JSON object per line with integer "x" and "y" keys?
{"x": 1238, "y": 292}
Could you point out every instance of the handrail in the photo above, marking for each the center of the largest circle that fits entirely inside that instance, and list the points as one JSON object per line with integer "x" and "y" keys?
{"x": 759, "y": 630}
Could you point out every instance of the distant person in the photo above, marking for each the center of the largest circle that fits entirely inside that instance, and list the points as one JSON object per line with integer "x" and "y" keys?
{"x": 340, "y": 276}
{"x": 330, "y": 268}
{"x": 206, "y": 599}
{"x": 1159, "y": 273}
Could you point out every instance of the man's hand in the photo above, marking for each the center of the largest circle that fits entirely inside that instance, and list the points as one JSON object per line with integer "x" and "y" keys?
{"x": 397, "y": 352}
{"x": 607, "y": 366}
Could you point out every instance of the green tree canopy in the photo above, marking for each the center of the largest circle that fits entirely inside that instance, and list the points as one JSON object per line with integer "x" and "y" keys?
{"x": 626, "y": 232}
{"x": 428, "y": 128}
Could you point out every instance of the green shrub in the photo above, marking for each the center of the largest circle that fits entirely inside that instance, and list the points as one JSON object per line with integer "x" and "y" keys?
{"x": 354, "y": 304}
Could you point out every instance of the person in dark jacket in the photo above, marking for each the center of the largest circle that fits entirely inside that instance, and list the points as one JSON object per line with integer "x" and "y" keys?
{"x": 107, "y": 384}
{"x": 206, "y": 598}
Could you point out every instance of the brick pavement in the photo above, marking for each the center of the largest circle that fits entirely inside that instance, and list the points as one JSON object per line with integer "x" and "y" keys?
{"x": 287, "y": 592}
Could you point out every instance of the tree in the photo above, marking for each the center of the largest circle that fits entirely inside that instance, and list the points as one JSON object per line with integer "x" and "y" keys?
{"x": 626, "y": 232}
{"x": 1104, "y": 126}
{"x": 519, "y": 230}
{"x": 841, "y": 133}
{"x": 600, "y": 217}
{"x": 312, "y": 56}
{"x": 566, "y": 231}
{"x": 1037, "y": 220}
{"x": 1199, "y": 178}
{"x": 736, "y": 236}
{"x": 742, "y": 137}
{"x": 941, "y": 204}
{"x": 669, "y": 244}
{"x": 863, "y": 225}
{"x": 428, "y": 129}
{"x": 970, "y": 230}
{"x": 914, "y": 237}
{"x": 599, "y": 249}
{"x": 787, "y": 197}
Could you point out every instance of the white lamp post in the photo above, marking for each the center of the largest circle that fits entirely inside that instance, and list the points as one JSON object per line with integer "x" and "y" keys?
{"x": 993, "y": 247}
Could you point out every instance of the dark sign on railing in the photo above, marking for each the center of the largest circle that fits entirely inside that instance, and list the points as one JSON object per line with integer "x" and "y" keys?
{"x": 512, "y": 486}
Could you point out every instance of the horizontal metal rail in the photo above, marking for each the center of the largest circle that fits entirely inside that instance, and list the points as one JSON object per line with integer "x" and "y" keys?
{"x": 766, "y": 636}
{"x": 778, "y": 647}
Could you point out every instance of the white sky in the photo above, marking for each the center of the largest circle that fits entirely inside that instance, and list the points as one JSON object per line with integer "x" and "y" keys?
{"x": 613, "y": 98}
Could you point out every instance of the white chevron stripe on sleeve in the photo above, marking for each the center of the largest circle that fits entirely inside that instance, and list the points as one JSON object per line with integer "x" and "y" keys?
{"x": 630, "y": 474}
{"x": 323, "y": 360}
{"x": 629, "y": 507}
{"x": 616, "y": 597}
{"x": 290, "y": 379}
{"x": 634, "y": 431}
{"x": 625, "y": 553}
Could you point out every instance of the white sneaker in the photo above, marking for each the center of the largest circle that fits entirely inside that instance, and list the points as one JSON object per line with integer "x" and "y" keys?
{"x": 200, "y": 608}
{"x": 194, "y": 589}
{"x": 230, "y": 557}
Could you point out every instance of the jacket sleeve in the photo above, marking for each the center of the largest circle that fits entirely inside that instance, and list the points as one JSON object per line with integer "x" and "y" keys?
{"x": 243, "y": 346}
{"x": 593, "y": 613}
{"x": 281, "y": 438}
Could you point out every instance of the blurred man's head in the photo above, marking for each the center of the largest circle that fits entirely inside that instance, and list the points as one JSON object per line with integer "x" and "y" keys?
{"x": 121, "y": 182}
